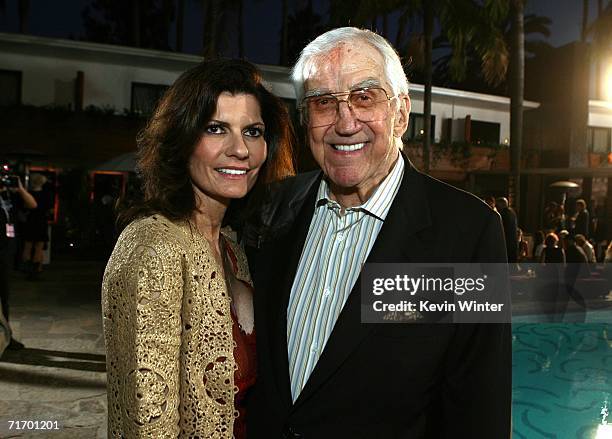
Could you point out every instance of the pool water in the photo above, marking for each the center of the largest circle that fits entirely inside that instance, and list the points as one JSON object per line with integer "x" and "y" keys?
{"x": 562, "y": 380}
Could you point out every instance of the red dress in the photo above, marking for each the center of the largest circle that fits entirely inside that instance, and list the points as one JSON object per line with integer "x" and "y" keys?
{"x": 245, "y": 375}
{"x": 246, "y": 362}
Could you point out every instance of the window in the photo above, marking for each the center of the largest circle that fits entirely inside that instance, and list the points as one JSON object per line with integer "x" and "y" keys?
{"x": 416, "y": 126}
{"x": 484, "y": 132}
{"x": 146, "y": 96}
{"x": 598, "y": 140}
{"x": 10, "y": 88}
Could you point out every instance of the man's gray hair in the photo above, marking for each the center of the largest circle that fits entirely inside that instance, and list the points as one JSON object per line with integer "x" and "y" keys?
{"x": 394, "y": 72}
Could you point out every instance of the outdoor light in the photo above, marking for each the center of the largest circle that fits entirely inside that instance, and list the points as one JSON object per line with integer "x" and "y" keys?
{"x": 506, "y": 141}
{"x": 607, "y": 85}
{"x": 421, "y": 132}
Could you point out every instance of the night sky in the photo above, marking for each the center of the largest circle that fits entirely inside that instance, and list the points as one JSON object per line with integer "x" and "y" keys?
{"x": 62, "y": 19}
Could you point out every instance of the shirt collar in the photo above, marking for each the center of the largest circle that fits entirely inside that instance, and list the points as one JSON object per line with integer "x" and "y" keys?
{"x": 379, "y": 203}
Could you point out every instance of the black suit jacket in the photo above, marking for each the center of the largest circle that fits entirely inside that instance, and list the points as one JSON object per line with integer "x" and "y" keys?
{"x": 386, "y": 380}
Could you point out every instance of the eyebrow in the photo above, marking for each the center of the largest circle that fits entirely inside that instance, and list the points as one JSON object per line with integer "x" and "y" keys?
{"x": 226, "y": 124}
{"x": 370, "y": 82}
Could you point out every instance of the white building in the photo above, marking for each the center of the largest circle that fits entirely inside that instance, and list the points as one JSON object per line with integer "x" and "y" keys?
{"x": 55, "y": 72}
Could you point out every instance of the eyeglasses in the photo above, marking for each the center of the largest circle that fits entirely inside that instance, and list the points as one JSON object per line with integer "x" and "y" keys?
{"x": 365, "y": 103}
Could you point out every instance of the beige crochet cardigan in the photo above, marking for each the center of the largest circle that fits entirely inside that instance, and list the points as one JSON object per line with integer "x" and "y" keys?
{"x": 168, "y": 333}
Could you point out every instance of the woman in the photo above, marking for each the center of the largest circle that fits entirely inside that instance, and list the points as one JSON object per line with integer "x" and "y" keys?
{"x": 523, "y": 246}
{"x": 177, "y": 298}
{"x": 552, "y": 253}
{"x": 35, "y": 229}
{"x": 551, "y": 292}
{"x": 538, "y": 246}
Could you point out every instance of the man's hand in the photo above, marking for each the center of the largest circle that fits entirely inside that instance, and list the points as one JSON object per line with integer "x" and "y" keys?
{"x": 28, "y": 200}
{"x": 19, "y": 187}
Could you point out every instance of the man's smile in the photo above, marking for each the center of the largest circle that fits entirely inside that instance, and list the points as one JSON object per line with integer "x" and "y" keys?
{"x": 349, "y": 147}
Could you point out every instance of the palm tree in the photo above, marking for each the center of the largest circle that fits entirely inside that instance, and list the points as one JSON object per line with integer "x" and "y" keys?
{"x": 493, "y": 83}
{"x": 215, "y": 16}
{"x": 23, "y": 9}
{"x": 136, "y": 30}
{"x": 210, "y": 11}
{"x": 283, "y": 61}
{"x": 517, "y": 83}
{"x": 180, "y": 19}
{"x": 467, "y": 25}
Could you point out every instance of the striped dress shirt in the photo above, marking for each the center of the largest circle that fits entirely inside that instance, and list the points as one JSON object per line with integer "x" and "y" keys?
{"x": 335, "y": 250}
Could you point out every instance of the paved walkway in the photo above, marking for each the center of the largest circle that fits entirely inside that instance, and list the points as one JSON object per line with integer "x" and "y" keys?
{"x": 60, "y": 376}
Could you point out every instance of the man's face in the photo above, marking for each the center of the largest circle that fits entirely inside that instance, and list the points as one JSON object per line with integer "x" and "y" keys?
{"x": 355, "y": 173}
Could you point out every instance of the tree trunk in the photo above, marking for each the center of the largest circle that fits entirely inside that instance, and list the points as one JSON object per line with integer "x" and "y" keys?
{"x": 401, "y": 28}
{"x": 284, "y": 34}
{"x": 180, "y": 14}
{"x": 517, "y": 82}
{"x": 24, "y": 12}
{"x": 428, "y": 27}
{"x": 136, "y": 23}
{"x": 210, "y": 28}
{"x": 385, "y": 26}
{"x": 240, "y": 29}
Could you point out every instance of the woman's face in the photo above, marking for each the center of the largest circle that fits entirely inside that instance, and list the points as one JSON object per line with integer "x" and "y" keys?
{"x": 228, "y": 156}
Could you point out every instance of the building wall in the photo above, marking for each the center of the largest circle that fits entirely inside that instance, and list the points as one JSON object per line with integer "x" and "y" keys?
{"x": 49, "y": 68}
{"x": 600, "y": 114}
{"x": 446, "y": 108}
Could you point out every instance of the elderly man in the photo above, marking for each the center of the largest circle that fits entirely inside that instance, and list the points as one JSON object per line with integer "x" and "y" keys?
{"x": 321, "y": 372}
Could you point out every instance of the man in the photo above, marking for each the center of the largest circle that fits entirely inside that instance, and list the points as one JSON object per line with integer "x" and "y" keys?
{"x": 581, "y": 219}
{"x": 321, "y": 372}
{"x": 9, "y": 198}
{"x": 510, "y": 225}
{"x": 587, "y": 248}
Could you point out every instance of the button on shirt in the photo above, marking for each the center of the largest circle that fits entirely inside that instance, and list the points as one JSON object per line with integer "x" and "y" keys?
{"x": 336, "y": 247}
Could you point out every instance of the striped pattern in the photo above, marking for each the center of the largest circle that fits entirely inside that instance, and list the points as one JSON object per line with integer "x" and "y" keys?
{"x": 336, "y": 248}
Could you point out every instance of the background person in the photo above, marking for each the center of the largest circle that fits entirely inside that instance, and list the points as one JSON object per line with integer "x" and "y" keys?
{"x": 176, "y": 294}
{"x": 550, "y": 287}
{"x": 538, "y": 246}
{"x": 10, "y": 199}
{"x": 581, "y": 219}
{"x": 35, "y": 228}
{"x": 587, "y": 248}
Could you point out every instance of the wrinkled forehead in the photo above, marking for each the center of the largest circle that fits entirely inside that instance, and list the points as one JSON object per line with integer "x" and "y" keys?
{"x": 344, "y": 67}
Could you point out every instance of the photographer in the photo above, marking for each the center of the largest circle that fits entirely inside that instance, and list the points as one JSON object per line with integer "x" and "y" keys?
{"x": 12, "y": 195}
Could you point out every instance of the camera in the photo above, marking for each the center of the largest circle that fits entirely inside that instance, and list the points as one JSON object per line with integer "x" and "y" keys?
{"x": 7, "y": 178}
{"x": 9, "y": 181}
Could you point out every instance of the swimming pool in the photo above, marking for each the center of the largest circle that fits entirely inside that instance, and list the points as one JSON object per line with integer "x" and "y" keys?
{"x": 562, "y": 379}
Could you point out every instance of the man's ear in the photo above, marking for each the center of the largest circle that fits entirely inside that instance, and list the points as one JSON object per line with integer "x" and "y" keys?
{"x": 402, "y": 116}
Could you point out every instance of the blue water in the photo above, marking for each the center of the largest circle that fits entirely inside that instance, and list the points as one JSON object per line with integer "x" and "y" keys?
{"x": 562, "y": 380}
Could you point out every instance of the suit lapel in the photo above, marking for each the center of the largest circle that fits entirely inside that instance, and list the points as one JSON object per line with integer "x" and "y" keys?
{"x": 398, "y": 242}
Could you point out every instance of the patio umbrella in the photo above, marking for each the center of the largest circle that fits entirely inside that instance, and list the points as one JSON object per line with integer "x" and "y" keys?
{"x": 565, "y": 187}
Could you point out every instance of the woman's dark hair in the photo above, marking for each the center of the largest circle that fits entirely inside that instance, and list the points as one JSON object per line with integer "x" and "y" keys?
{"x": 171, "y": 135}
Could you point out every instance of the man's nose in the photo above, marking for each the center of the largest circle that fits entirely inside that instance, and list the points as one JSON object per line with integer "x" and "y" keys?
{"x": 346, "y": 122}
